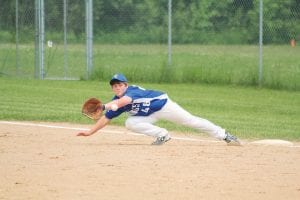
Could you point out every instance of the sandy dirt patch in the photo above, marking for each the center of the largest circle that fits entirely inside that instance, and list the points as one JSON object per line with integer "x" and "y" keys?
{"x": 51, "y": 163}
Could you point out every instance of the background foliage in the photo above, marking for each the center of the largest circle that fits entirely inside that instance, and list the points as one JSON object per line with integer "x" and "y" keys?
{"x": 144, "y": 21}
{"x": 213, "y": 41}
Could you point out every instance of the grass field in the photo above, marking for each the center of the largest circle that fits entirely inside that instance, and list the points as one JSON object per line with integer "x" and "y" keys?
{"x": 246, "y": 111}
{"x": 218, "y": 64}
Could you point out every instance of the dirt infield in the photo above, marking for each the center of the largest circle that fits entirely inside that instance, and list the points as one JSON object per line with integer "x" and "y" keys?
{"x": 39, "y": 162}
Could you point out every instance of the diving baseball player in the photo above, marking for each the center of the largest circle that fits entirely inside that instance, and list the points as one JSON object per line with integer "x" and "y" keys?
{"x": 145, "y": 107}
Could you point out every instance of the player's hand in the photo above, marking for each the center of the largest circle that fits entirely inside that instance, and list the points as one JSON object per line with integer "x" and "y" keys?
{"x": 82, "y": 134}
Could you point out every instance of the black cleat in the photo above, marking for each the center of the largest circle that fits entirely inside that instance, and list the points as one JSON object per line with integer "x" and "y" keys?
{"x": 161, "y": 140}
{"x": 231, "y": 140}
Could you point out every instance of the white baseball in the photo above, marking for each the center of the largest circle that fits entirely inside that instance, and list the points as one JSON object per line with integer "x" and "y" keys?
{"x": 114, "y": 107}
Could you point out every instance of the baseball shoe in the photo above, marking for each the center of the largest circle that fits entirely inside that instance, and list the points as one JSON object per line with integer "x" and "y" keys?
{"x": 231, "y": 140}
{"x": 161, "y": 140}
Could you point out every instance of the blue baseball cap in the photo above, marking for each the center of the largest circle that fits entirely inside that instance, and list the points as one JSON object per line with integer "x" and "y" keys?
{"x": 118, "y": 78}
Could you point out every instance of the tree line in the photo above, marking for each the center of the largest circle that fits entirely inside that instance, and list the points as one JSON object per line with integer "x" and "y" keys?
{"x": 146, "y": 21}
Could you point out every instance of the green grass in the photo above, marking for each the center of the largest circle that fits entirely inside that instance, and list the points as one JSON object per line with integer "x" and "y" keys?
{"x": 245, "y": 111}
{"x": 218, "y": 64}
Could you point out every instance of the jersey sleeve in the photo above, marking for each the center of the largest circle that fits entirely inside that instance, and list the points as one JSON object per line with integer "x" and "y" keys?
{"x": 134, "y": 92}
{"x": 112, "y": 114}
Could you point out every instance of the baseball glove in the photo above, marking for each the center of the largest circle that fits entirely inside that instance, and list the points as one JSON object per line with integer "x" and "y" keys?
{"x": 92, "y": 108}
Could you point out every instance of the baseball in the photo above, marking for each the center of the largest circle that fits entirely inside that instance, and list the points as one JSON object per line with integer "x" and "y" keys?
{"x": 114, "y": 107}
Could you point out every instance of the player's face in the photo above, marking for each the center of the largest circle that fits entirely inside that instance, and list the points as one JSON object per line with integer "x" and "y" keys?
{"x": 119, "y": 88}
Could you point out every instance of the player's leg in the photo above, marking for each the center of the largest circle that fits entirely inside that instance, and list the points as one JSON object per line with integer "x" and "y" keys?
{"x": 144, "y": 125}
{"x": 173, "y": 112}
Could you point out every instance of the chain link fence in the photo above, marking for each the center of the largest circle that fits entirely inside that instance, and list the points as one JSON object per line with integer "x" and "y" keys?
{"x": 63, "y": 51}
{"x": 65, "y": 39}
{"x": 281, "y": 32}
{"x": 17, "y": 49}
{"x": 212, "y": 41}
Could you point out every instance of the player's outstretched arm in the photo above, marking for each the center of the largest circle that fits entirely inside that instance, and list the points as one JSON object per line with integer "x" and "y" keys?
{"x": 102, "y": 122}
{"x": 118, "y": 103}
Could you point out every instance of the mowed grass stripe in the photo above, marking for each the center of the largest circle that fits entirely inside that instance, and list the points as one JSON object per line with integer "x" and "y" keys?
{"x": 247, "y": 112}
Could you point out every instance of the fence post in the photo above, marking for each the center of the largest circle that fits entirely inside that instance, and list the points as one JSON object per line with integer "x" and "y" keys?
{"x": 89, "y": 37}
{"x": 260, "y": 65}
{"x": 65, "y": 41}
{"x": 36, "y": 48}
{"x": 17, "y": 38}
{"x": 39, "y": 39}
{"x": 42, "y": 39}
{"x": 170, "y": 32}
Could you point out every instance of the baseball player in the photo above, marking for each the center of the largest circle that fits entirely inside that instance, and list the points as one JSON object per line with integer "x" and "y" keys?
{"x": 145, "y": 107}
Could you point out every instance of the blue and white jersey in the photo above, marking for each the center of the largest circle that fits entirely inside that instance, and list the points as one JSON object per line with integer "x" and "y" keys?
{"x": 144, "y": 102}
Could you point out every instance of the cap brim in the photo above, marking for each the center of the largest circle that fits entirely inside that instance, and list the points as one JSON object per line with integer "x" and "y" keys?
{"x": 116, "y": 80}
